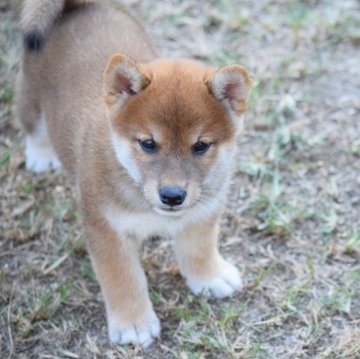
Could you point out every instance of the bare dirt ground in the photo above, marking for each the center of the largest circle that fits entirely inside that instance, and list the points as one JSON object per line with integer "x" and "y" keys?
{"x": 292, "y": 224}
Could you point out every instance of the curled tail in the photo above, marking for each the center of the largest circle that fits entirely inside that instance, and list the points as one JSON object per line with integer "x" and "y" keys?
{"x": 38, "y": 18}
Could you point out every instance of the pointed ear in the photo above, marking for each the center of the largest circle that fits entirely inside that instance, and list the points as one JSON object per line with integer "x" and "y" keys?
{"x": 123, "y": 79}
{"x": 230, "y": 85}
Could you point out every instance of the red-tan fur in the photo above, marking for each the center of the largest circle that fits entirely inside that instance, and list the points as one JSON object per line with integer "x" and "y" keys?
{"x": 76, "y": 84}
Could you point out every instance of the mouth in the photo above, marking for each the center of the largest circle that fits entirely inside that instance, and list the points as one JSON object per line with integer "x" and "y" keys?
{"x": 169, "y": 211}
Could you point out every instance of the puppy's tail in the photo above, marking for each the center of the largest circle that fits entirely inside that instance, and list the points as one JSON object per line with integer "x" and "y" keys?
{"x": 38, "y": 18}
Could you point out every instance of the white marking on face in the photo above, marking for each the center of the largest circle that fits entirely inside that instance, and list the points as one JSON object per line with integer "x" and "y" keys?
{"x": 210, "y": 205}
{"x": 221, "y": 167}
{"x": 152, "y": 195}
{"x": 140, "y": 224}
{"x": 143, "y": 224}
{"x": 176, "y": 213}
{"x": 236, "y": 119}
{"x": 124, "y": 155}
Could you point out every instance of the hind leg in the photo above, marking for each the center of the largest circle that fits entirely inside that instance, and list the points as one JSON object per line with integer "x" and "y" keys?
{"x": 39, "y": 152}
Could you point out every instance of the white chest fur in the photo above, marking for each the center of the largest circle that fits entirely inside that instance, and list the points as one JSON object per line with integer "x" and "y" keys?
{"x": 141, "y": 225}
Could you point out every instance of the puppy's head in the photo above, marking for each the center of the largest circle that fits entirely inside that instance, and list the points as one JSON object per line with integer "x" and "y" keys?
{"x": 174, "y": 126}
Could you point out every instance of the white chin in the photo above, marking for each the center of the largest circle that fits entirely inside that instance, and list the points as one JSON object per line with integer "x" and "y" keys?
{"x": 176, "y": 213}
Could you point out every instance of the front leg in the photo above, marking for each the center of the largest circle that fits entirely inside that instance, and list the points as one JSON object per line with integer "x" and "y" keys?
{"x": 200, "y": 262}
{"x": 115, "y": 257}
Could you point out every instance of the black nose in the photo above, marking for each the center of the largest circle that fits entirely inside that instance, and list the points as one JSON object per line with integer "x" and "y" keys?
{"x": 172, "y": 196}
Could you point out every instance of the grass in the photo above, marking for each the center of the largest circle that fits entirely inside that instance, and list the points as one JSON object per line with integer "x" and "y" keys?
{"x": 352, "y": 245}
{"x": 291, "y": 223}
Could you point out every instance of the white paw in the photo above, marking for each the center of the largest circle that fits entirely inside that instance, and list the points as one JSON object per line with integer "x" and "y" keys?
{"x": 223, "y": 285}
{"x": 141, "y": 333}
{"x": 40, "y": 156}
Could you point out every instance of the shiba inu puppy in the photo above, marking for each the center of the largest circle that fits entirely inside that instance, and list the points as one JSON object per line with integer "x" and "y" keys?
{"x": 149, "y": 143}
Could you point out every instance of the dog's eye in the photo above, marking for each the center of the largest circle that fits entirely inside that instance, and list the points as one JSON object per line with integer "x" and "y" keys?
{"x": 201, "y": 147}
{"x": 149, "y": 146}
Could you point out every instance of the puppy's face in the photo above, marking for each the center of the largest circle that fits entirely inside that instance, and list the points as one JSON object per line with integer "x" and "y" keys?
{"x": 174, "y": 127}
